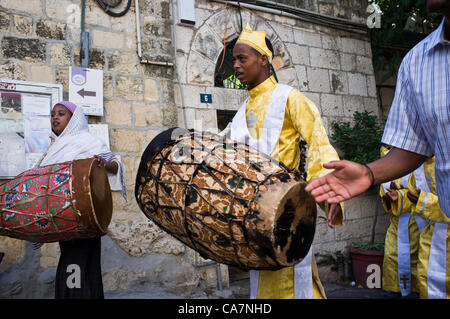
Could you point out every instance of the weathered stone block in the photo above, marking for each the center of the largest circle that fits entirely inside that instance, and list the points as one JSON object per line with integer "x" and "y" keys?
{"x": 156, "y": 71}
{"x": 23, "y": 25}
{"x": 96, "y": 59}
{"x": 331, "y": 105}
{"x": 348, "y": 62}
{"x": 108, "y": 85}
{"x": 61, "y": 54}
{"x": 357, "y": 84}
{"x": 319, "y": 80}
{"x": 303, "y": 84}
{"x": 151, "y": 92}
{"x": 51, "y": 30}
{"x": 352, "y": 104}
{"x": 147, "y": 114}
{"x": 118, "y": 112}
{"x": 4, "y": 21}
{"x": 350, "y": 45}
{"x": 286, "y": 34}
{"x": 109, "y": 40}
{"x": 30, "y": 50}
{"x": 339, "y": 82}
{"x": 123, "y": 62}
{"x": 299, "y": 53}
{"x": 12, "y": 70}
{"x": 41, "y": 73}
{"x": 324, "y": 58}
{"x": 125, "y": 140}
{"x": 364, "y": 64}
{"x": 201, "y": 69}
{"x": 157, "y": 27}
{"x": 371, "y": 86}
{"x": 62, "y": 77}
{"x": 170, "y": 115}
{"x": 33, "y": 7}
{"x": 207, "y": 44}
{"x": 137, "y": 235}
{"x": 184, "y": 37}
{"x": 309, "y": 38}
{"x": 129, "y": 88}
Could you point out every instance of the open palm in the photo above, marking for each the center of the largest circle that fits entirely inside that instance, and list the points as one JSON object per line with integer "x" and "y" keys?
{"x": 348, "y": 180}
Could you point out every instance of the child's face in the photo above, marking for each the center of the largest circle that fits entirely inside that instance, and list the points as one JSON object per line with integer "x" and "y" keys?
{"x": 60, "y": 118}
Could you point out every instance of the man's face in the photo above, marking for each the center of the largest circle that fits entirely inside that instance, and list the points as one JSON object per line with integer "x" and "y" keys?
{"x": 438, "y": 6}
{"x": 248, "y": 65}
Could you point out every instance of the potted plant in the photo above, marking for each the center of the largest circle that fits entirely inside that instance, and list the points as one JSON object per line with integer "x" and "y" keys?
{"x": 361, "y": 143}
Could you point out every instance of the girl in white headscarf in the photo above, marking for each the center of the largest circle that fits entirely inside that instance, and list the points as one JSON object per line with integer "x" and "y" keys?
{"x": 72, "y": 140}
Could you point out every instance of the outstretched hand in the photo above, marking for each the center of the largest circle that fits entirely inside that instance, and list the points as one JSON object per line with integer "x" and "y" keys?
{"x": 348, "y": 180}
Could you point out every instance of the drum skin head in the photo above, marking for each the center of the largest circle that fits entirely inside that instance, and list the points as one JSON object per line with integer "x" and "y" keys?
{"x": 92, "y": 194}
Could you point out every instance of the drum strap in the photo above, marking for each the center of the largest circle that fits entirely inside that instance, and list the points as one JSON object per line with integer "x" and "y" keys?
{"x": 273, "y": 122}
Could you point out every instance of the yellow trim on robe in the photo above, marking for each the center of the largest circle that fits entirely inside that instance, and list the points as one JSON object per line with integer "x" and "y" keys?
{"x": 301, "y": 119}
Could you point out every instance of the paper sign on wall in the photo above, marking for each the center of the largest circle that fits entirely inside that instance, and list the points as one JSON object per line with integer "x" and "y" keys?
{"x": 86, "y": 89}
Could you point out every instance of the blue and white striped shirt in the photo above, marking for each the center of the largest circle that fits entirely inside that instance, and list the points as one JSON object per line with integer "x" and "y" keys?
{"x": 419, "y": 119}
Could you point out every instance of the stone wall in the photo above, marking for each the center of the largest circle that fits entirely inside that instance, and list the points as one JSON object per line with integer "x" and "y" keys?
{"x": 353, "y": 10}
{"x": 332, "y": 68}
{"x": 39, "y": 41}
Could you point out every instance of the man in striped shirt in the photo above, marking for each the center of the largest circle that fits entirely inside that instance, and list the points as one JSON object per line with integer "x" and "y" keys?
{"x": 418, "y": 125}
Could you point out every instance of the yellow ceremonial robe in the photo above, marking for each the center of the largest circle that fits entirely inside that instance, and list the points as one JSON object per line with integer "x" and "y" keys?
{"x": 301, "y": 119}
{"x": 434, "y": 249}
{"x": 390, "y": 280}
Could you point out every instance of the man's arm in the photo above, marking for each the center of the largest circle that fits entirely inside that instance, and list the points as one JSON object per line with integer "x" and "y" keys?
{"x": 350, "y": 179}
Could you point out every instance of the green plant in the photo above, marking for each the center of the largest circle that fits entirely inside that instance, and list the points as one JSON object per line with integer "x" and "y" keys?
{"x": 361, "y": 142}
{"x": 399, "y": 19}
{"x": 365, "y": 245}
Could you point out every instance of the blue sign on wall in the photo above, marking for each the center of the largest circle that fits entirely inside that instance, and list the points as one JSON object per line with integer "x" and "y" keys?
{"x": 205, "y": 98}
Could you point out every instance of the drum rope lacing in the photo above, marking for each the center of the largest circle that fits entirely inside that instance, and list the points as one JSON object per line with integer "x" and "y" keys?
{"x": 160, "y": 159}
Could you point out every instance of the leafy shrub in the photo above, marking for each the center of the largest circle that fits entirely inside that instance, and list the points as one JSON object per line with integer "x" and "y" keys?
{"x": 361, "y": 142}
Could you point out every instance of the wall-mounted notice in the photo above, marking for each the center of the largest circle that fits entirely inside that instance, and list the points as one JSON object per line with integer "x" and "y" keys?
{"x": 24, "y": 123}
{"x": 86, "y": 89}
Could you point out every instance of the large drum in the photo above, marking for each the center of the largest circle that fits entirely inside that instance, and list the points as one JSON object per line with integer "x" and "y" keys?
{"x": 226, "y": 200}
{"x": 57, "y": 202}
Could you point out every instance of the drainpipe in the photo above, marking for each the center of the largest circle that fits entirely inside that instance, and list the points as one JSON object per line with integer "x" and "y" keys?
{"x": 84, "y": 45}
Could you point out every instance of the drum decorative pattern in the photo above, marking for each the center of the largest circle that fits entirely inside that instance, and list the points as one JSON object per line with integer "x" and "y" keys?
{"x": 38, "y": 206}
{"x": 203, "y": 190}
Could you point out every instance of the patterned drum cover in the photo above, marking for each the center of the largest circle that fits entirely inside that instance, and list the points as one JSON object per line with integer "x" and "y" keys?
{"x": 57, "y": 202}
{"x": 226, "y": 200}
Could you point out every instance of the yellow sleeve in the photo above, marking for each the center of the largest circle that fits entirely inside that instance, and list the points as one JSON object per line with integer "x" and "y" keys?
{"x": 386, "y": 204}
{"x": 403, "y": 204}
{"x": 428, "y": 207}
{"x": 307, "y": 121}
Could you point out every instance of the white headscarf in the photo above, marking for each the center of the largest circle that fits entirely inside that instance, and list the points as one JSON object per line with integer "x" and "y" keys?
{"x": 75, "y": 142}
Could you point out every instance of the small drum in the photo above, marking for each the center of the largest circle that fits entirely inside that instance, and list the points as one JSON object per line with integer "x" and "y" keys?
{"x": 226, "y": 200}
{"x": 57, "y": 202}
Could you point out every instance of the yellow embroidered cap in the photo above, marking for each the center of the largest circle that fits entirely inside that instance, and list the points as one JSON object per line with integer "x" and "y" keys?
{"x": 254, "y": 39}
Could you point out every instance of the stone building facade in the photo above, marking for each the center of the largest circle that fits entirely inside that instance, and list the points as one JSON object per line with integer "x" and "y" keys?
{"x": 143, "y": 95}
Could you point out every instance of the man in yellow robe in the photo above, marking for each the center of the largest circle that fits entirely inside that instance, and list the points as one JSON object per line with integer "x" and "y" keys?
{"x": 274, "y": 119}
{"x": 434, "y": 248}
{"x": 402, "y": 238}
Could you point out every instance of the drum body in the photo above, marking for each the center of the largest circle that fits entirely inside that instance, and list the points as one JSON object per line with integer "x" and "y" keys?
{"x": 226, "y": 200}
{"x": 57, "y": 202}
